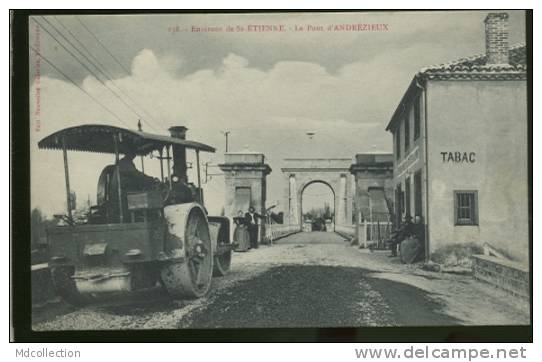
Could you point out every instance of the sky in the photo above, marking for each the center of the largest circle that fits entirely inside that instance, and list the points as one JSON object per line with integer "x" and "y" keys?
{"x": 268, "y": 89}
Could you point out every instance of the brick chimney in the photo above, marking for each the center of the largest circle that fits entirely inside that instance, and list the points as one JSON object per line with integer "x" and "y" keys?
{"x": 496, "y": 38}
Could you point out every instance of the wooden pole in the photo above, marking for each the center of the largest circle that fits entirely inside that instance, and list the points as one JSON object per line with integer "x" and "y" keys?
{"x": 119, "y": 187}
{"x": 371, "y": 218}
{"x": 168, "y": 167}
{"x": 161, "y": 165}
{"x": 67, "y": 178}
{"x": 199, "y": 179}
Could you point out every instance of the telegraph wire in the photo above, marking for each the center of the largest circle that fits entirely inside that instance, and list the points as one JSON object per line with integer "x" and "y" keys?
{"x": 100, "y": 66}
{"x": 86, "y": 67}
{"x": 77, "y": 85}
{"x": 108, "y": 75}
{"x": 79, "y": 61}
{"x": 103, "y": 46}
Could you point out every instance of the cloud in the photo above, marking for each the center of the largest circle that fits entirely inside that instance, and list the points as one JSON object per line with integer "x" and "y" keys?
{"x": 289, "y": 99}
{"x": 233, "y": 61}
{"x": 268, "y": 89}
{"x": 145, "y": 65}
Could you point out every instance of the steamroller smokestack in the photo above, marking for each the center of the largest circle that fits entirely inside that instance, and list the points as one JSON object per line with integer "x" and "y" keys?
{"x": 179, "y": 153}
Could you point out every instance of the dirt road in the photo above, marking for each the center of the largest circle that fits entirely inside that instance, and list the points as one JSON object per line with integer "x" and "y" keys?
{"x": 306, "y": 280}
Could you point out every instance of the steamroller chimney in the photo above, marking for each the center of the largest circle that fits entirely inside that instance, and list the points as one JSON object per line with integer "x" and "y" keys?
{"x": 179, "y": 153}
{"x": 497, "y": 38}
{"x": 178, "y": 132}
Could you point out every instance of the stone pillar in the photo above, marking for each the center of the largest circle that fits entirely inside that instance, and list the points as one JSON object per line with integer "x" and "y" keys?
{"x": 371, "y": 172}
{"x": 292, "y": 201}
{"x": 245, "y": 178}
{"x": 340, "y": 207}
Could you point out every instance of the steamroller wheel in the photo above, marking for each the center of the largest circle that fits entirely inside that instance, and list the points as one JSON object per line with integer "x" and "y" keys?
{"x": 221, "y": 233}
{"x": 191, "y": 278}
{"x": 222, "y": 264}
{"x": 65, "y": 286}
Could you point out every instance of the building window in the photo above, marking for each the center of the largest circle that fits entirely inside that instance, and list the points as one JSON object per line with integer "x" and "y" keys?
{"x": 407, "y": 132}
{"x": 466, "y": 207}
{"x": 398, "y": 143}
{"x": 417, "y": 118}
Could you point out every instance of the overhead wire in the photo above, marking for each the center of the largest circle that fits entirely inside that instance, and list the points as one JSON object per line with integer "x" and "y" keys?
{"x": 102, "y": 45}
{"x": 75, "y": 83}
{"x": 100, "y": 67}
{"x": 85, "y": 66}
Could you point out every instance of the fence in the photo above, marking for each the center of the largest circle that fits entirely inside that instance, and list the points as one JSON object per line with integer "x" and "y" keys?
{"x": 374, "y": 233}
{"x": 347, "y": 231}
{"x": 274, "y": 231}
{"x": 367, "y": 232}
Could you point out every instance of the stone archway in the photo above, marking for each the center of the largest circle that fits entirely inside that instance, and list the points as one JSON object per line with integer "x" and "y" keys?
{"x": 303, "y": 197}
{"x": 301, "y": 172}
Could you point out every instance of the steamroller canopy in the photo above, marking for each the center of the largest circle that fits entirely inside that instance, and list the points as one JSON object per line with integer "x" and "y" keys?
{"x": 100, "y": 139}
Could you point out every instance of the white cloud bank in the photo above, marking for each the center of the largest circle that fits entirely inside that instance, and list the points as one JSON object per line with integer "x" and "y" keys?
{"x": 268, "y": 111}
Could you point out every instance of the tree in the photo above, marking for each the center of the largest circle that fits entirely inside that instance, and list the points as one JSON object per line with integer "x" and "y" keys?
{"x": 39, "y": 223}
{"x": 36, "y": 225}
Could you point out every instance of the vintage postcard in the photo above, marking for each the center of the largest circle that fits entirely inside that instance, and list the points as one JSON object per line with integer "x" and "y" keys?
{"x": 279, "y": 170}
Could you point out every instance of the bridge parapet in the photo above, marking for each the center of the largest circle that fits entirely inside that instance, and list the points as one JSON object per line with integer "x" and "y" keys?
{"x": 274, "y": 231}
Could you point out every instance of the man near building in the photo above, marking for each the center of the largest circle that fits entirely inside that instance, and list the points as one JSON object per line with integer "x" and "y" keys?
{"x": 251, "y": 218}
{"x": 404, "y": 231}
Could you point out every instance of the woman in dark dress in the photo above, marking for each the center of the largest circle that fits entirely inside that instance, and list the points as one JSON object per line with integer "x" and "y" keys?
{"x": 241, "y": 235}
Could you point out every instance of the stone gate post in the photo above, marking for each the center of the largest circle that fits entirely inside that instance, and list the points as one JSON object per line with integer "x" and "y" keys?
{"x": 245, "y": 180}
{"x": 372, "y": 171}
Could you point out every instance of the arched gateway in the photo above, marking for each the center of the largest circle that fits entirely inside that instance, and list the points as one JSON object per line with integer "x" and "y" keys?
{"x": 363, "y": 188}
{"x": 334, "y": 172}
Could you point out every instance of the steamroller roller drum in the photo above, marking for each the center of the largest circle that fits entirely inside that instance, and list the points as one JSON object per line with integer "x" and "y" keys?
{"x": 191, "y": 278}
{"x": 66, "y": 288}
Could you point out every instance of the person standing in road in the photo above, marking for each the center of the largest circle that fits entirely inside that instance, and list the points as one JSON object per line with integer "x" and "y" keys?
{"x": 241, "y": 235}
{"x": 252, "y": 222}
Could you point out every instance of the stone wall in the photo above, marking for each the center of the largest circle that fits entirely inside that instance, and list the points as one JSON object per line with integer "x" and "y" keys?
{"x": 507, "y": 275}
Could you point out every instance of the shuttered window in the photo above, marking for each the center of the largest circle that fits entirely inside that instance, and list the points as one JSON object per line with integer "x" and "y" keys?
{"x": 466, "y": 207}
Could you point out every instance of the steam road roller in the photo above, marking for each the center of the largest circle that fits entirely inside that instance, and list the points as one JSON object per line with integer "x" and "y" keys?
{"x": 143, "y": 231}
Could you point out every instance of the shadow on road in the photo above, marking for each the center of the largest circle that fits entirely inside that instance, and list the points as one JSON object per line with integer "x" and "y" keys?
{"x": 317, "y": 296}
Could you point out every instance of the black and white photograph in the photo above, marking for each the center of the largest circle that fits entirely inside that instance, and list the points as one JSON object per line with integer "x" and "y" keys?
{"x": 330, "y": 169}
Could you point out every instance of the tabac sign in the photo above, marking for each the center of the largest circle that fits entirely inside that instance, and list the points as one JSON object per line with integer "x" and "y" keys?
{"x": 458, "y": 157}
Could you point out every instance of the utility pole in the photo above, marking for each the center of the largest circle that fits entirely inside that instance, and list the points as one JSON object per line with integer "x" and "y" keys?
{"x": 140, "y": 129}
{"x": 226, "y": 133}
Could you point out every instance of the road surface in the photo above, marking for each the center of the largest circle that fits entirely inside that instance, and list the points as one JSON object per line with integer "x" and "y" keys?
{"x": 305, "y": 280}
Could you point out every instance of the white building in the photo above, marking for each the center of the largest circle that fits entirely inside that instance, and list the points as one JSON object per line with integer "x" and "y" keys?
{"x": 461, "y": 158}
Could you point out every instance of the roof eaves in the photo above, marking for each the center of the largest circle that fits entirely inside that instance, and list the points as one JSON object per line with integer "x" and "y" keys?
{"x": 406, "y": 97}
